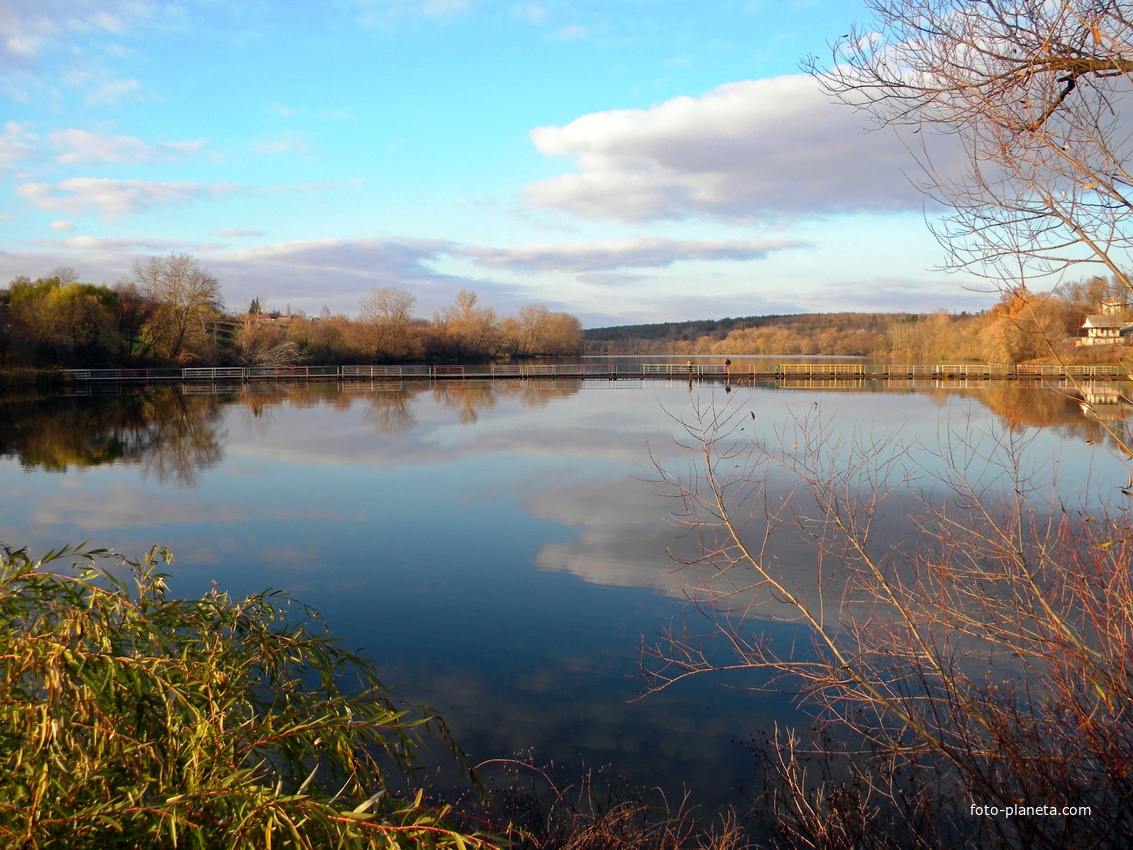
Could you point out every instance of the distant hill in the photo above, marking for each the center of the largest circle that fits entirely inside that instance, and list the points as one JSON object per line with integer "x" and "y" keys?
{"x": 656, "y": 338}
{"x": 675, "y": 331}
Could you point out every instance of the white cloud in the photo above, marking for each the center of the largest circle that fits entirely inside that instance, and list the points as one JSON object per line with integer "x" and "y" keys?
{"x": 382, "y": 12}
{"x": 62, "y": 226}
{"x": 100, "y": 87}
{"x": 48, "y": 42}
{"x": 188, "y": 147}
{"x": 283, "y": 144}
{"x": 623, "y": 533}
{"x": 17, "y": 142}
{"x": 25, "y": 28}
{"x": 77, "y": 146}
{"x": 121, "y": 246}
{"x": 114, "y": 91}
{"x": 361, "y": 257}
{"x": 746, "y": 150}
{"x": 572, "y": 32}
{"x": 312, "y": 272}
{"x": 82, "y": 146}
{"x": 622, "y": 254}
{"x": 442, "y": 8}
{"x": 136, "y": 509}
{"x": 896, "y": 295}
{"x": 112, "y": 198}
{"x": 97, "y": 258}
{"x": 534, "y": 12}
{"x": 30, "y": 26}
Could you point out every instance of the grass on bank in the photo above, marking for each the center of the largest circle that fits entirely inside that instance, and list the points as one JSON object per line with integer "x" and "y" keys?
{"x": 130, "y": 719}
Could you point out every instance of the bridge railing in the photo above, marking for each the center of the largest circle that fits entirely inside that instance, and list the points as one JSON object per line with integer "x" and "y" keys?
{"x": 213, "y": 373}
{"x": 1039, "y": 370}
{"x": 276, "y": 372}
{"x": 122, "y": 374}
{"x": 448, "y": 372}
{"x": 1098, "y": 371}
{"x": 962, "y": 370}
{"x": 567, "y": 369}
{"x": 670, "y": 369}
{"x": 380, "y": 371}
{"x": 552, "y": 370}
{"x": 854, "y": 369}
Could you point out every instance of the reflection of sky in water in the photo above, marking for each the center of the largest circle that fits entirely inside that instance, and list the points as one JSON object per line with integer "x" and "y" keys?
{"x": 498, "y": 553}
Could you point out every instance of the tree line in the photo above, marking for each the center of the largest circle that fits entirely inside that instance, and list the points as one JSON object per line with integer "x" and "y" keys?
{"x": 170, "y": 311}
{"x": 1023, "y": 326}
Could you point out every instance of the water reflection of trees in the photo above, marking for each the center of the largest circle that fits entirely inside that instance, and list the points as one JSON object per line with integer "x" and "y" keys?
{"x": 1074, "y": 413}
{"x": 468, "y": 398}
{"x": 385, "y": 405}
{"x": 187, "y": 438}
{"x": 538, "y": 393}
{"x": 170, "y": 434}
{"x": 173, "y": 433}
{"x": 388, "y": 405}
{"x": 389, "y": 410}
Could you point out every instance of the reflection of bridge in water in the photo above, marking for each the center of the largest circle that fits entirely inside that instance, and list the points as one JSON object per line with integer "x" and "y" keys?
{"x": 784, "y": 372}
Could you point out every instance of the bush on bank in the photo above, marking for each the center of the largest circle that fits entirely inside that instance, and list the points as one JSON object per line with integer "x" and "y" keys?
{"x": 130, "y": 719}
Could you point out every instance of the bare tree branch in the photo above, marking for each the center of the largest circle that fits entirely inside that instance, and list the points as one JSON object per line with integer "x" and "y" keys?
{"x": 1036, "y": 96}
{"x": 989, "y": 651}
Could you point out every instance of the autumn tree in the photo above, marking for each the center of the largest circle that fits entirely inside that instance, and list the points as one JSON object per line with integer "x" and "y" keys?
{"x": 535, "y": 330}
{"x": 1035, "y": 95}
{"x": 531, "y": 321}
{"x": 388, "y": 314}
{"x": 472, "y": 328}
{"x": 321, "y": 340}
{"x": 59, "y": 320}
{"x": 561, "y": 335}
{"x": 261, "y": 342}
{"x": 187, "y": 298}
{"x": 1024, "y": 326}
{"x": 1090, "y": 295}
{"x": 134, "y": 314}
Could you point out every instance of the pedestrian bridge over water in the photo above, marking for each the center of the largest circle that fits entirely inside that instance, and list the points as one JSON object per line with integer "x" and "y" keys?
{"x": 607, "y": 371}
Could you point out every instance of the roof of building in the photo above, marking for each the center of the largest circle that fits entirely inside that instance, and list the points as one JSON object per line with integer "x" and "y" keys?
{"x": 1104, "y": 321}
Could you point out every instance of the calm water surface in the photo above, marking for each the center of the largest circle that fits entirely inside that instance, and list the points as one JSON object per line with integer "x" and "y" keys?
{"x": 498, "y": 549}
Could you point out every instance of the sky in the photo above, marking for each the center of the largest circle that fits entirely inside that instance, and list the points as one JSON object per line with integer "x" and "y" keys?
{"x": 627, "y": 161}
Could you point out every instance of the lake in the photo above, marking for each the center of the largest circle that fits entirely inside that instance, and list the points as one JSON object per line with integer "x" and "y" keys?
{"x": 498, "y": 549}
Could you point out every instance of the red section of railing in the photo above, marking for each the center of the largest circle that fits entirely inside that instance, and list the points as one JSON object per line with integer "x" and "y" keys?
{"x": 448, "y": 371}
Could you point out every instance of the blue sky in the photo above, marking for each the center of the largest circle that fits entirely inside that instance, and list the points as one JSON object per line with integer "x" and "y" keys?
{"x": 626, "y": 161}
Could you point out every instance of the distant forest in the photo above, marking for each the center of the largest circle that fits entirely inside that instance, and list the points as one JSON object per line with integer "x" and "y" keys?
{"x": 658, "y": 338}
{"x": 1022, "y": 326}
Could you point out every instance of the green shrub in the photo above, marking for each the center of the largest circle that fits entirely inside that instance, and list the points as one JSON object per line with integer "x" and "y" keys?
{"x": 129, "y": 719}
